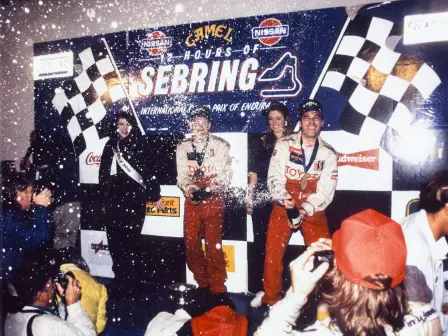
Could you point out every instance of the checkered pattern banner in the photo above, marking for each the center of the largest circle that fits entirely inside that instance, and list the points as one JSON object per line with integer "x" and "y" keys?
{"x": 381, "y": 85}
{"x": 84, "y": 101}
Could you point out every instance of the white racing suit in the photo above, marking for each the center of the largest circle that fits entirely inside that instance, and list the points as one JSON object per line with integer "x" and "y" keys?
{"x": 284, "y": 177}
{"x": 204, "y": 219}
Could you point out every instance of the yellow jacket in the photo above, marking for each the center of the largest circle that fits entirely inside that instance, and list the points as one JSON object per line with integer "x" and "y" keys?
{"x": 93, "y": 298}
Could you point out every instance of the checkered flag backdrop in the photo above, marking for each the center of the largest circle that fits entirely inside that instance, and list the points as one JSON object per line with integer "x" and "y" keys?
{"x": 84, "y": 101}
{"x": 382, "y": 86}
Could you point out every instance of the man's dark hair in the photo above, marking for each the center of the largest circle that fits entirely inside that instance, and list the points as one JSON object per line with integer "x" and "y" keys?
{"x": 11, "y": 184}
{"x": 33, "y": 275}
{"x": 434, "y": 193}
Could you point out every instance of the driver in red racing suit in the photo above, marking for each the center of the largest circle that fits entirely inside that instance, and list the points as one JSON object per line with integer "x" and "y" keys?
{"x": 203, "y": 163}
{"x": 303, "y": 173}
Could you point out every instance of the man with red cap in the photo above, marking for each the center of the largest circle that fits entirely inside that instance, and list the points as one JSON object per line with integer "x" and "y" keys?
{"x": 203, "y": 173}
{"x": 302, "y": 178}
{"x": 369, "y": 271}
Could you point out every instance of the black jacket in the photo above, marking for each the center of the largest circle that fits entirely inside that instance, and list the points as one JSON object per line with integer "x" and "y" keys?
{"x": 136, "y": 151}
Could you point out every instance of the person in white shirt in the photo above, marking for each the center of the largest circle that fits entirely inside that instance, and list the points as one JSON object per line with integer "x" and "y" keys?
{"x": 425, "y": 233}
{"x": 35, "y": 290}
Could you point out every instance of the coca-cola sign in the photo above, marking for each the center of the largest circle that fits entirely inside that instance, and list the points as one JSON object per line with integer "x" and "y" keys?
{"x": 92, "y": 159}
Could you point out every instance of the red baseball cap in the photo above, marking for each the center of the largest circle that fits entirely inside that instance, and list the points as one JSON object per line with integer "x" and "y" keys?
{"x": 369, "y": 243}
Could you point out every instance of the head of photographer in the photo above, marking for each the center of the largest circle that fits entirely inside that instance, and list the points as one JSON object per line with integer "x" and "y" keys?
{"x": 18, "y": 193}
{"x": 365, "y": 291}
{"x": 36, "y": 285}
{"x": 27, "y": 222}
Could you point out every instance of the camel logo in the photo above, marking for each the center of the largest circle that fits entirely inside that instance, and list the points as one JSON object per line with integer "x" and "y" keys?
{"x": 368, "y": 159}
{"x": 99, "y": 247}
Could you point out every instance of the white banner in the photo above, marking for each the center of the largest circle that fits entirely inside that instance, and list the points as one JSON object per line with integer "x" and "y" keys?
{"x": 95, "y": 251}
{"x": 362, "y": 164}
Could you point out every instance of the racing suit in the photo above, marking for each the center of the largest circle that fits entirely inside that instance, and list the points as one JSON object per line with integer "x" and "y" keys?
{"x": 286, "y": 170}
{"x": 204, "y": 219}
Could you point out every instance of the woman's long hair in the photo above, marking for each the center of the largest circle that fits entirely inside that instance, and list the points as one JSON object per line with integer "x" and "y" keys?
{"x": 269, "y": 139}
{"x": 357, "y": 310}
{"x": 134, "y": 134}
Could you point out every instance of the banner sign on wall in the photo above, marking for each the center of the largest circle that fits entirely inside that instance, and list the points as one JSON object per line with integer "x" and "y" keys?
{"x": 384, "y": 103}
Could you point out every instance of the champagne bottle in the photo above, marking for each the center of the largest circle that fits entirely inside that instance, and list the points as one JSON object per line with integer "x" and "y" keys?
{"x": 293, "y": 215}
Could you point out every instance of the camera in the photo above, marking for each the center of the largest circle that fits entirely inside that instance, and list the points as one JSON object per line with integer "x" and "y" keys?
{"x": 323, "y": 256}
{"x": 198, "y": 175}
{"x": 40, "y": 181}
{"x": 62, "y": 278}
{"x": 200, "y": 194}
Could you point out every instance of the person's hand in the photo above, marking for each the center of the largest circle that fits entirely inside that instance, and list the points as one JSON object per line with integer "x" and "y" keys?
{"x": 323, "y": 244}
{"x": 249, "y": 206}
{"x": 445, "y": 308}
{"x": 73, "y": 292}
{"x": 43, "y": 198}
{"x": 190, "y": 189}
{"x": 303, "y": 277}
{"x": 25, "y": 164}
{"x": 160, "y": 204}
{"x": 288, "y": 202}
{"x": 253, "y": 177}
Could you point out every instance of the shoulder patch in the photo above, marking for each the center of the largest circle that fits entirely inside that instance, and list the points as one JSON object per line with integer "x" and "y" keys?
{"x": 327, "y": 145}
{"x": 221, "y": 140}
{"x": 290, "y": 137}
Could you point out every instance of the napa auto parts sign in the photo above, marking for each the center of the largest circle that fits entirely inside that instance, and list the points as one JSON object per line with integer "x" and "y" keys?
{"x": 236, "y": 67}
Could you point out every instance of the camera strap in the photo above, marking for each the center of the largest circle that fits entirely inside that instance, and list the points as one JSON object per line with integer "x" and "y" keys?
{"x": 199, "y": 156}
{"x": 29, "y": 331}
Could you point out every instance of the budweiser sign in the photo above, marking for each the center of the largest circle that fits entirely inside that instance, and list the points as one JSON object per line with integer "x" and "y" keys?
{"x": 92, "y": 159}
{"x": 368, "y": 159}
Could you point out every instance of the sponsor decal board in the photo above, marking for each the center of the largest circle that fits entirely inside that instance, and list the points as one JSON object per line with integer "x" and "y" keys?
{"x": 361, "y": 164}
{"x": 236, "y": 267}
{"x": 95, "y": 251}
{"x": 374, "y": 89}
{"x": 168, "y": 223}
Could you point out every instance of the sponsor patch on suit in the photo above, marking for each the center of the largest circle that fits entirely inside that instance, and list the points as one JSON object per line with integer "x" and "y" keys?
{"x": 295, "y": 158}
{"x": 319, "y": 165}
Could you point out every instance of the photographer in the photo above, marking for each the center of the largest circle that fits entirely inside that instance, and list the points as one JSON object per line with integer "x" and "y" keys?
{"x": 203, "y": 173}
{"x": 365, "y": 291}
{"x": 50, "y": 163}
{"x": 35, "y": 288}
{"x": 27, "y": 222}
